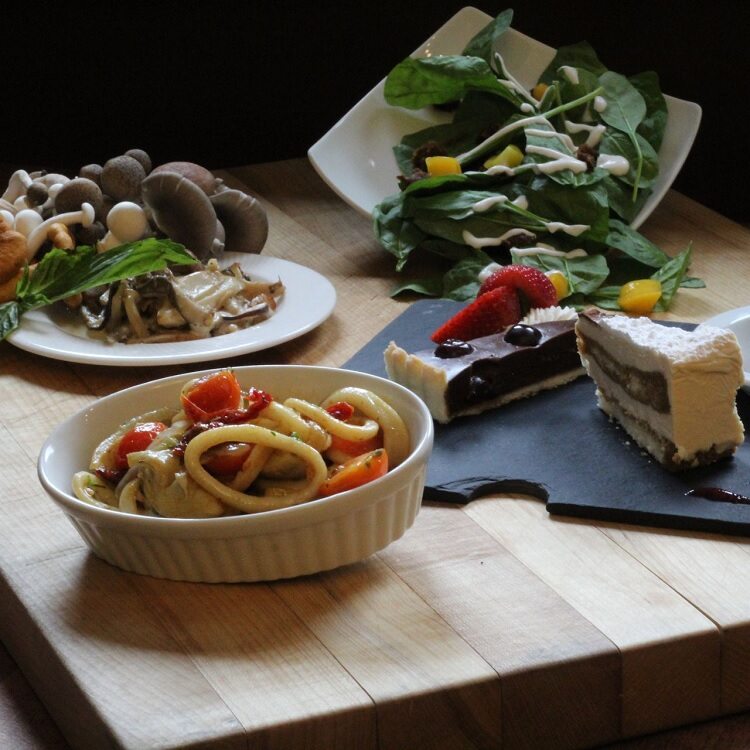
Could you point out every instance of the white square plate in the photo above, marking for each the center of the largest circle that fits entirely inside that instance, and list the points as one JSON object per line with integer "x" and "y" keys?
{"x": 355, "y": 157}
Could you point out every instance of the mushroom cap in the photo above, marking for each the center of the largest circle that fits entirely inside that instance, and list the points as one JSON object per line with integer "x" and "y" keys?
{"x": 181, "y": 210}
{"x": 141, "y": 157}
{"x": 197, "y": 174}
{"x": 127, "y": 221}
{"x": 244, "y": 220}
{"x": 121, "y": 178}
{"x": 92, "y": 172}
{"x": 27, "y": 221}
{"x": 75, "y": 193}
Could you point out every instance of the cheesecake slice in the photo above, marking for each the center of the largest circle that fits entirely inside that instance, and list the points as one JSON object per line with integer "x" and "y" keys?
{"x": 672, "y": 390}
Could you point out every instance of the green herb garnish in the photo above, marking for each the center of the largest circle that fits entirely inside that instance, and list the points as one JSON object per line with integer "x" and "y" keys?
{"x": 62, "y": 274}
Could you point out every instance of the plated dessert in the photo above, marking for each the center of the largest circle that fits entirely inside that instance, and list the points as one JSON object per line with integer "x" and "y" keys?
{"x": 673, "y": 391}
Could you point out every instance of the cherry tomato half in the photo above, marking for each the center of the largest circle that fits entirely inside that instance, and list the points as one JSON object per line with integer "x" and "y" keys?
{"x": 211, "y": 395}
{"x": 137, "y": 439}
{"x": 225, "y": 459}
{"x": 356, "y": 472}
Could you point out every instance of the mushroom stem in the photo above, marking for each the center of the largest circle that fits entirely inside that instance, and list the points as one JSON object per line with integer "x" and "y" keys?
{"x": 37, "y": 237}
{"x": 17, "y": 185}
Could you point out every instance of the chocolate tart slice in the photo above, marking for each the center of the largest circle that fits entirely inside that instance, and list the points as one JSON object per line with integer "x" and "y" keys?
{"x": 458, "y": 378}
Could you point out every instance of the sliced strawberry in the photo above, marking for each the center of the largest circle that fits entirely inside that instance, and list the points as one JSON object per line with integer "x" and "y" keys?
{"x": 490, "y": 313}
{"x": 535, "y": 285}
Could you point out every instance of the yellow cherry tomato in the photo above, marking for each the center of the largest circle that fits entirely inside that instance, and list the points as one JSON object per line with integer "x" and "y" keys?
{"x": 437, "y": 166}
{"x": 639, "y": 296}
{"x": 539, "y": 90}
{"x": 560, "y": 282}
{"x": 510, "y": 156}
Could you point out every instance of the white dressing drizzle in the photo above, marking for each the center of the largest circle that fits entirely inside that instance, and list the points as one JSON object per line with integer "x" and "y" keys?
{"x": 564, "y": 138}
{"x": 600, "y": 103}
{"x": 570, "y": 73}
{"x": 572, "y": 229}
{"x": 595, "y": 131}
{"x": 559, "y": 161}
{"x": 511, "y": 82}
{"x": 520, "y": 252}
{"x": 494, "y": 200}
{"x": 527, "y": 108}
{"x": 613, "y": 163}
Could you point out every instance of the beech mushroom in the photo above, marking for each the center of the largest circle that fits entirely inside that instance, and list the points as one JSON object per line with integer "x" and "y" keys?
{"x": 17, "y": 186}
{"x": 181, "y": 210}
{"x": 244, "y": 220}
{"x": 121, "y": 178}
{"x": 39, "y": 234}
{"x": 141, "y": 157}
{"x": 27, "y": 221}
{"x": 72, "y": 195}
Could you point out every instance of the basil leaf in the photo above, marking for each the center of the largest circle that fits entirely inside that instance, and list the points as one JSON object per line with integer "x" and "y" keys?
{"x": 482, "y": 44}
{"x": 10, "y": 314}
{"x": 692, "y": 282}
{"x": 419, "y": 82}
{"x": 61, "y": 274}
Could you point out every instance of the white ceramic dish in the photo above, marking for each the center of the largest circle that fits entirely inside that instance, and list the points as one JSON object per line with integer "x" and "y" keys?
{"x": 355, "y": 157}
{"x": 737, "y": 320}
{"x": 319, "y": 535}
{"x": 308, "y": 300}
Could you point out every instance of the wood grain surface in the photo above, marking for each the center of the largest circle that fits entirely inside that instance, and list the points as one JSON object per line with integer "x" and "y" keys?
{"x": 487, "y": 626}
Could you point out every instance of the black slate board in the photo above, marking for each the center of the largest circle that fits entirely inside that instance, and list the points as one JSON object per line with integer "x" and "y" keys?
{"x": 559, "y": 447}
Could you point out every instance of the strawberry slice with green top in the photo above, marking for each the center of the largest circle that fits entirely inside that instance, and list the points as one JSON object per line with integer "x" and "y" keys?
{"x": 491, "y": 313}
{"x": 531, "y": 282}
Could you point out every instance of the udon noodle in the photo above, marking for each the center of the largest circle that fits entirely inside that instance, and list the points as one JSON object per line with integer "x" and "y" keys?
{"x": 228, "y": 451}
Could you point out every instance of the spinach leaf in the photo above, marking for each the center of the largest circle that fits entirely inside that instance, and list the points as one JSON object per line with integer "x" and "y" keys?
{"x": 621, "y": 202}
{"x": 655, "y": 122}
{"x": 628, "y": 241}
{"x": 606, "y": 297}
{"x": 419, "y": 82}
{"x": 671, "y": 275}
{"x": 482, "y": 44}
{"x": 625, "y": 111}
{"x": 461, "y": 282}
{"x": 585, "y": 274}
{"x": 396, "y": 233}
{"x": 581, "y": 55}
{"x": 429, "y": 287}
{"x": 619, "y": 144}
{"x": 569, "y": 91}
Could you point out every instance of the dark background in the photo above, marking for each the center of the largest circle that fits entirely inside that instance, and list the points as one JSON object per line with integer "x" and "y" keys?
{"x": 224, "y": 84}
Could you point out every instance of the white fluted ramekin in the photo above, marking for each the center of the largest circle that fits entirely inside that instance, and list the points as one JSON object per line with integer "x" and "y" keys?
{"x": 307, "y": 538}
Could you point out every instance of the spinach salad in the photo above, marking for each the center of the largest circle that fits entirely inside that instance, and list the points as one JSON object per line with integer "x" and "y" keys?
{"x": 587, "y": 141}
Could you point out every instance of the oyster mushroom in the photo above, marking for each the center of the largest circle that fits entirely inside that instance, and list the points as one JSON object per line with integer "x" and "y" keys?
{"x": 181, "y": 210}
{"x": 197, "y": 174}
{"x": 244, "y": 220}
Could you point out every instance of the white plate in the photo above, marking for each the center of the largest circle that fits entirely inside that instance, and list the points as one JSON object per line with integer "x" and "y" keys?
{"x": 308, "y": 300}
{"x": 355, "y": 157}
{"x": 737, "y": 320}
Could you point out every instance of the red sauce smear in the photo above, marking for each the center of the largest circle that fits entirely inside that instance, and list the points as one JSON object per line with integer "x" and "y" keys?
{"x": 718, "y": 495}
